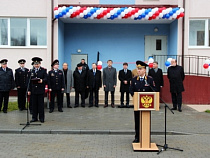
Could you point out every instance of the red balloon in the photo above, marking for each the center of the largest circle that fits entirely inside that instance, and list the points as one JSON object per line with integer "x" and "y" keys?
{"x": 56, "y": 8}
{"x": 154, "y": 17}
{"x": 181, "y": 15}
{"x": 150, "y": 18}
{"x": 157, "y": 13}
{"x": 99, "y": 67}
{"x": 150, "y": 65}
{"x": 205, "y": 66}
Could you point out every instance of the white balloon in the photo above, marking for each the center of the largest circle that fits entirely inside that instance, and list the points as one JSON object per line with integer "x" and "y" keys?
{"x": 178, "y": 12}
{"x": 123, "y": 14}
{"x": 81, "y": 15}
{"x": 85, "y": 12}
{"x": 60, "y": 9}
{"x": 132, "y": 17}
{"x": 174, "y": 16}
{"x": 209, "y": 68}
{"x": 143, "y": 10}
{"x": 161, "y": 15}
{"x": 151, "y": 60}
{"x": 181, "y": 9}
{"x": 150, "y": 14}
{"x": 119, "y": 17}
{"x": 207, "y": 61}
{"x": 94, "y": 15}
{"x": 147, "y": 17}
{"x": 157, "y": 18}
{"x": 170, "y": 18}
{"x": 108, "y": 15}
{"x": 99, "y": 62}
{"x": 65, "y": 16}
{"x": 140, "y": 12}
{"x": 136, "y": 15}
{"x": 112, "y": 12}
{"x": 91, "y": 17}
{"x": 64, "y": 7}
{"x": 169, "y": 59}
{"x": 98, "y": 12}
{"x": 164, "y": 11}
{"x": 56, "y": 12}
{"x": 71, "y": 11}
{"x": 126, "y": 11}
{"x": 68, "y": 14}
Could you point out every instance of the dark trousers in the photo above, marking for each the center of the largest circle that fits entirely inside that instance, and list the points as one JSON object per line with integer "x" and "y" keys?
{"x": 177, "y": 100}
{"x": 106, "y": 97}
{"x": 30, "y": 105}
{"x": 67, "y": 99}
{"x": 82, "y": 93}
{"x": 4, "y": 96}
{"x": 122, "y": 98}
{"x": 21, "y": 98}
{"x": 38, "y": 106}
{"x": 59, "y": 100}
{"x": 137, "y": 122}
{"x": 95, "y": 91}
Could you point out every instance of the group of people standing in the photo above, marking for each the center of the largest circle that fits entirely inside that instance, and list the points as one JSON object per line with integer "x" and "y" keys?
{"x": 85, "y": 81}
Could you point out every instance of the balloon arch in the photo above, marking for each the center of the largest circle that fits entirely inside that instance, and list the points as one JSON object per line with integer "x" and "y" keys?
{"x": 118, "y": 13}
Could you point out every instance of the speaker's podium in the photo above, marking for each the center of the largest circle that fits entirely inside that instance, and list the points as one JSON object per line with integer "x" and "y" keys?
{"x": 145, "y": 102}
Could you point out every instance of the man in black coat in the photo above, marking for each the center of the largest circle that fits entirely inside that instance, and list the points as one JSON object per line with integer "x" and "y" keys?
{"x": 140, "y": 83}
{"x": 157, "y": 76}
{"x": 125, "y": 77}
{"x": 176, "y": 77}
{"x": 6, "y": 84}
{"x": 56, "y": 86}
{"x": 94, "y": 82}
{"x": 37, "y": 89}
{"x": 79, "y": 85}
{"x": 21, "y": 81}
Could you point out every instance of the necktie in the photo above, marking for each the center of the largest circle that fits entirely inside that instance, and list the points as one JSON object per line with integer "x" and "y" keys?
{"x": 5, "y": 69}
{"x": 125, "y": 71}
{"x": 94, "y": 72}
{"x": 141, "y": 78}
{"x": 36, "y": 70}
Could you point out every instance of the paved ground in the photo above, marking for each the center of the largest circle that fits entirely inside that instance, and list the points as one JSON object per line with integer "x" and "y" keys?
{"x": 102, "y": 133}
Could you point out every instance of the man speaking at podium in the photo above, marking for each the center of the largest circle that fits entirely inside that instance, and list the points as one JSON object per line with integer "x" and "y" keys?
{"x": 140, "y": 83}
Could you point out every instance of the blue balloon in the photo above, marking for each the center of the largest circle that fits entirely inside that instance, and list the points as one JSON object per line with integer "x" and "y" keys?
{"x": 118, "y": 12}
{"x": 64, "y": 12}
{"x": 146, "y": 12}
{"x": 70, "y": 7}
{"x": 167, "y": 63}
{"x": 167, "y": 16}
{"x": 139, "y": 17}
{"x": 67, "y": 9}
{"x": 89, "y": 14}
{"x": 92, "y": 11}
{"x": 171, "y": 13}
{"x": 112, "y": 17}
{"x": 122, "y": 9}
{"x": 115, "y": 15}
{"x": 143, "y": 15}
{"x": 60, "y": 15}
{"x": 56, "y": 16}
{"x": 85, "y": 17}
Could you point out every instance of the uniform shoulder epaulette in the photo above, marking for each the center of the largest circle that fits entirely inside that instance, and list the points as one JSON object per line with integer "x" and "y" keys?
{"x": 149, "y": 76}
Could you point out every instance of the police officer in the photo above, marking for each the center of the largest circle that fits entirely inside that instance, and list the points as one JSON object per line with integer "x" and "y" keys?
{"x": 55, "y": 85}
{"x": 21, "y": 81}
{"x": 140, "y": 83}
{"x": 6, "y": 84}
{"x": 37, "y": 89}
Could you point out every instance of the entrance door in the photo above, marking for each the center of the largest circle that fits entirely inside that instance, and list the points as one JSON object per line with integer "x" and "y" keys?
{"x": 76, "y": 58}
{"x": 156, "y": 45}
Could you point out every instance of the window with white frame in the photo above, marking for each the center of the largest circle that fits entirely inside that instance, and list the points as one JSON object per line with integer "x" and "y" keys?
{"x": 199, "y": 33}
{"x": 24, "y": 32}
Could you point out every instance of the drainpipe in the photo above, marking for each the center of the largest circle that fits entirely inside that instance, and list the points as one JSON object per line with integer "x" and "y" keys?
{"x": 183, "y": 25}
{"x": 52, "y": 31}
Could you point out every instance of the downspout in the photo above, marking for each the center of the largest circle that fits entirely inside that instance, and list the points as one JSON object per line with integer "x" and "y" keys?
{"x": 52, "y": 31}
{"x": 183, "y": 25}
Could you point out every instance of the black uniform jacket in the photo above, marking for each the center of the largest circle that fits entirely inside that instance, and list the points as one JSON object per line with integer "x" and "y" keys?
{"x": 38, "y": 88}
{"x": 125, "y": 77}
{"x": 80, "y": 80}
{"x": 6, "y": 79}
{"x": 21, "y": 77}
{"x": 55, "y": 80}
{"x": 94, "y": 80}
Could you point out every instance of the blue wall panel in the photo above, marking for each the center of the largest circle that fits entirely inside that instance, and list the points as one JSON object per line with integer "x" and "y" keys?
{"x": 117, "y": 2}
{"x": 173, "y": 39}
{"x": 119, "y": 42}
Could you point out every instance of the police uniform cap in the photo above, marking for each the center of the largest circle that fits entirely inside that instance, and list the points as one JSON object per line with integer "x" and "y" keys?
{"x": 36, "y": 60}
{"x": 138, "y": 62}
{"x": 4, "y": 61}
{"x": 79, "y": 65}
{"x": 141, "y": 64}
{"x": 21, "y": 61}
{"x": 55, "y": 62}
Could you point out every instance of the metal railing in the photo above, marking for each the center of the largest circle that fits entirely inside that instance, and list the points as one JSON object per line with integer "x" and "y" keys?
{"x": 192, "y": 64}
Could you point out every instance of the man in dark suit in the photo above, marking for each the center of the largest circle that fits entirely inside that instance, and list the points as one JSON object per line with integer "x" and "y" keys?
{"x": 6, "y": 84}
{"x": 140, "y": 83}
{"x": 109, "y": 82}
{"x": 21, "y": 80}
{"x": 94, "y": 83}
{"x": 125, "y": 77}
{"x": 37, "y": 89}
{"x": 157, "y": 76}
{"x": 176, "y": 77}
{"x": 55, "y": 86}
{"x": 80, "y": 85}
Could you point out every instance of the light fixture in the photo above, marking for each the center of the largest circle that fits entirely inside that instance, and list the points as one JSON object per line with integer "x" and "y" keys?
{"x": 79, "y": 51}
{"x": 156, "y": 29}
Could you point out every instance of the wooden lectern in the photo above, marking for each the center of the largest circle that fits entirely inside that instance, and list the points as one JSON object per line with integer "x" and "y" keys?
{"x": 145, "y": 102}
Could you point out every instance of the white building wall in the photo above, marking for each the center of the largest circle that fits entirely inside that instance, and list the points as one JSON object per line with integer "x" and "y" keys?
{"x": 27, "y": 9}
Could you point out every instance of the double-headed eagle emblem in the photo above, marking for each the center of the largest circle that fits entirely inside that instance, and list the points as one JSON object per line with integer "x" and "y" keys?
{"x": 146, "y": 101}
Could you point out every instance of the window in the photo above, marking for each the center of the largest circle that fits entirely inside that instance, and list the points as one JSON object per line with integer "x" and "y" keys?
{"x": 18, "y": 31}
{"x": 38, "y": 29}
{"x": 3, "y": 32}
{"x": 158, "y": 44}
{"x": 24, "y": 32}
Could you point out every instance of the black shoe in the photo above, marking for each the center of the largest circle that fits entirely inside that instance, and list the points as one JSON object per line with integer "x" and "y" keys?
{"x": 121, "y": 106}
{"x": 136, "y": 140}
{"x": 41, "y": 120}
{"x": 96, "y": 105}
{"x": 106, "y": 105}
{"x": 60, "y": 110}
{"x": 112, "y": 105}
{"x": 180, "y": 110}
{"x": 33, "y": 120}
{"x": 51, "y": 110}
{"x": 83, "y": 106}
{"x": 75, "y": 106}
{"x": 69, "y": 106}
{"x": 4, "y": 111}
{"x": 21, "y": 109}
{"x": 173, "y": 108}
{"x": 25, "y": 108}
{"x": 91, "y": 105}
{"x": 127, "y": 106}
